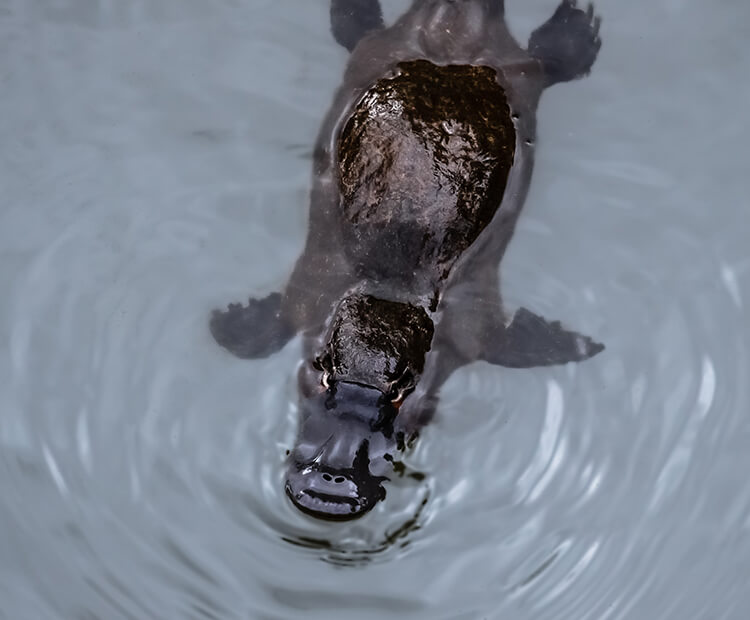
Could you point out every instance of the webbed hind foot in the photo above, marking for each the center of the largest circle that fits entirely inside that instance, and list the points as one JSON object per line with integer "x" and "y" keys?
{"x": 568, "y": 43}
{"x": 252, "y": 331}
{"x": 353, "y": 19}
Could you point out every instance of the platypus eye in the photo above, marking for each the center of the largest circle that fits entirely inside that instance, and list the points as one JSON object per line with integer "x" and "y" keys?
{"x": 401, "y": 388}
{"x": 397, "y": 397}
{"x": 324, "y": 365}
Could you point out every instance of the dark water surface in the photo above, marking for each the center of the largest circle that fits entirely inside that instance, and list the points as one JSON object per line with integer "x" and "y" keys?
{"x": 155, "y": 163}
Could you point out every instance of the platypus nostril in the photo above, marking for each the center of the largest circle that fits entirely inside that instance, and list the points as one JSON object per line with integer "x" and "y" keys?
{"x": 327, "y": 496}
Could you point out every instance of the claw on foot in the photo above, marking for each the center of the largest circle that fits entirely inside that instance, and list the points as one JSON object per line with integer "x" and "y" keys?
{"x": 568, "y": 43}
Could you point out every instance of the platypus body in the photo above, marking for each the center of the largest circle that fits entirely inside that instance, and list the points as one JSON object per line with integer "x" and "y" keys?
{"x": 420, "y": 172}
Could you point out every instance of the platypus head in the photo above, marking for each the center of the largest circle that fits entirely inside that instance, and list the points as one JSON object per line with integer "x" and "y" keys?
{"x": 346, "y": 440}
{"x": 349, "y": 401}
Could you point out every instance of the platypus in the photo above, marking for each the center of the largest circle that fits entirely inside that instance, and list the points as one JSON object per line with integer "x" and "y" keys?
{"x": 420, "y": 171}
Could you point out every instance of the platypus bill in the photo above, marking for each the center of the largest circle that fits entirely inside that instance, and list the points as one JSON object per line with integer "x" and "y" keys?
{"x": 420, "y": 172}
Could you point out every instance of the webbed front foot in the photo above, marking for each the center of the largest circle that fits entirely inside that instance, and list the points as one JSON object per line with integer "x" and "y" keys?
{"x": 252, "y": 331}
{"x": 530, "y": 340}
{"x": 567, "y": 44}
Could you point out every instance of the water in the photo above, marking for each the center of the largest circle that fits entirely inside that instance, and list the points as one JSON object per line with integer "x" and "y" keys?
{"x": 155, "y": 164}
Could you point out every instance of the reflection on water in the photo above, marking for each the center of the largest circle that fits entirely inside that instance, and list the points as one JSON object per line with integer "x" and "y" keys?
{"x": 346, "y": 554}
{"x": 153, "y": 167}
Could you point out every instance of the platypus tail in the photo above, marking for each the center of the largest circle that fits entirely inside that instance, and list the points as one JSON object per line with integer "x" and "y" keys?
{"x": 494, "y": 7}
{"x": 452, "y": 29}
{"x": 351, "y": 20}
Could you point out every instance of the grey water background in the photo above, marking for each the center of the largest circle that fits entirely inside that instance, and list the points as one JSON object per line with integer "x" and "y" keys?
{"x": 155, "y": 164}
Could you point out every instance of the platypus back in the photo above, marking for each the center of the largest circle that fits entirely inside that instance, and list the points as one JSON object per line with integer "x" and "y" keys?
{"x": 423, "y": 162}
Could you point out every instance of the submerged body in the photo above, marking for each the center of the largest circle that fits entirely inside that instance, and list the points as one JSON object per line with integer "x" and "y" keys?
{"x": 421, "y": 168}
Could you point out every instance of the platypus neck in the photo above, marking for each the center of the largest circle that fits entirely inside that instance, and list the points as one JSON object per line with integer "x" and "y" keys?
{"x": 378, "y": 342}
